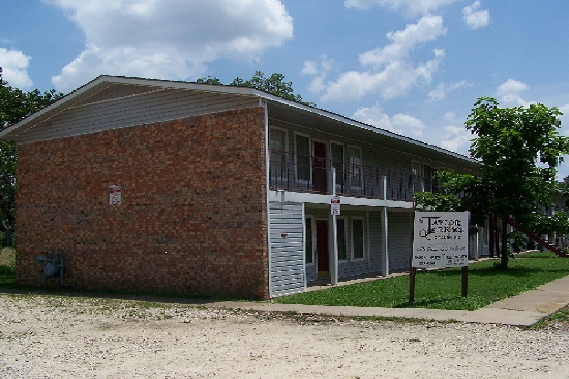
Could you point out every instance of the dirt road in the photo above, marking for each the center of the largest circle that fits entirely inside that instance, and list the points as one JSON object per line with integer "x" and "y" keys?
{"x": 66, "y": 337}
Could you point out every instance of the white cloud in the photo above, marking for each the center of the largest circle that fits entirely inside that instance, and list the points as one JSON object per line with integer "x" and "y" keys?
{"x": 309, "y": 68}
{"x": 172, "y": 39}
{"x": 426, "y": 29}
{"x": 410, "y": 7}
{"x": 15, "y": 65}
{"x": 392, "y": 72}
{"x": 400, "y": 123}
{"x": 319, "y": 71}
{"x": 455, "y": 138}
{"x": 475, "y": 18}
{"x": 443, "y": 90}
{"x": 509, "y": 93}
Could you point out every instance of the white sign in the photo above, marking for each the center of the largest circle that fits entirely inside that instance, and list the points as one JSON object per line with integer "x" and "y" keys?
{"x": 440, "y": 239}
{"x": 335, "y": 206}
{"x": 115, "y": 195}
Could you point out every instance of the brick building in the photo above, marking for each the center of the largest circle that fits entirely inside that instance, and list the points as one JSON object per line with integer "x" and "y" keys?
{"x": 223, "y": 190}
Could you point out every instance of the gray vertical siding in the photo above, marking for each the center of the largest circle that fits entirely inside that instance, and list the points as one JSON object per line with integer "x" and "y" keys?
{"x": 375, "y": 241}
{"x": 286, "y": 270}
{"x": 400, "y": 239}
{"x": 134, "y": 109}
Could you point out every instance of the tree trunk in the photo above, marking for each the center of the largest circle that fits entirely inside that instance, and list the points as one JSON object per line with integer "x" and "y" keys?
{"x": 492, "y": 232}
{"x": 496, "y": 236}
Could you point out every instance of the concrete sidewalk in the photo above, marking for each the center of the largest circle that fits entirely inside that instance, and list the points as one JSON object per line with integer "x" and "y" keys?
{"x": 522, "y": 310}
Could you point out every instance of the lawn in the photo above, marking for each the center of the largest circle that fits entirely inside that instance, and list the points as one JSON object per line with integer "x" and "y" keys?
{"x": 7, "y": 267}
{"x": 7, "y": 276}
{"x": 441, "y": 289}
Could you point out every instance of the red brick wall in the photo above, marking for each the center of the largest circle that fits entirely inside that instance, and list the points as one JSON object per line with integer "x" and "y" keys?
{"x": 193, "y": 213}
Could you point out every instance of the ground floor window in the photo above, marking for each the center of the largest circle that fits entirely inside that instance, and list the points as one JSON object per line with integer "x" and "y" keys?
{"x": 341, "y": 238}
{"x": 358, "y": 238}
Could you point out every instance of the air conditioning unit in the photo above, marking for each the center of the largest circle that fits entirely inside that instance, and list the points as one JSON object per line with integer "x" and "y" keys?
{"x": 52, "y": 265}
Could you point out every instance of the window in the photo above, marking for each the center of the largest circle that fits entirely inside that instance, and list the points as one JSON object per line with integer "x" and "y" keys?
{"x": 277, "y": 146}
{"x": 358, "y": 238}
{"x": 427, "y": 178}
{"x": 308, "y": 251}
{"x": 417, "y": 174}
{"x": 341, "y": 239}
{"x": 355, "y": 166}
{"x": 302, "y": 144}
{"x": 337, "y": 156}
{"x": 435, "y": 183}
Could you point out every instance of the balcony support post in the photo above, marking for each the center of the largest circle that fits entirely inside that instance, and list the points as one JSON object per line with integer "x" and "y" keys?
{"x": 333, "y": 234}
{"x": 384, "y": 233}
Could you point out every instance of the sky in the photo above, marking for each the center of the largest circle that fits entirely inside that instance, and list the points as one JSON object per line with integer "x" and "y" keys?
{"x": 414, "y": 67}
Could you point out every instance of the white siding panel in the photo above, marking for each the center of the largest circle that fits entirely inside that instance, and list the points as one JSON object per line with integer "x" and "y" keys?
{"x": 146, "y": 108}
{"x": 286, "y": 226}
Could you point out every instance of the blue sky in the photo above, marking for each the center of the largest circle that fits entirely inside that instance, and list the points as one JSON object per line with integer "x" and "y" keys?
{"x": 414, "y": 67}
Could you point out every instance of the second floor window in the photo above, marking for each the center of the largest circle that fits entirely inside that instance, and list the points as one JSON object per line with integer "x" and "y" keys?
{"x": 337, "y": 156}
{"x": 355, "y": 166}
{"x": 302, "y": 144}
{"x": 277, "y": 146}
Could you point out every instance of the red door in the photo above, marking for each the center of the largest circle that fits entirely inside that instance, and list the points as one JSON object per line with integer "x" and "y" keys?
{"x": 319, "y": 167}
{"x": 322, "y": 248}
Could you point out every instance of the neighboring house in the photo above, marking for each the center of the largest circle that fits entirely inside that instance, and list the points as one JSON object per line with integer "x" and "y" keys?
{"x": 223, "y": 190}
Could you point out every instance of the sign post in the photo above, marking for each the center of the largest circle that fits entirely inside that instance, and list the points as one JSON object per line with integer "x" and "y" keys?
{"x": 440, "y": 240}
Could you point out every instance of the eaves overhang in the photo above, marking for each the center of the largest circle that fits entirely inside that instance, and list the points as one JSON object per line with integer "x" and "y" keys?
{"x": 277, "y": 107}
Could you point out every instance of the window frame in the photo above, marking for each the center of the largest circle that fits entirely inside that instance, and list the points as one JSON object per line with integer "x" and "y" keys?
{"x": 353, "y": 238}
{"x": 349, "y": 173}
{"x": 346, "y": 238}
{"x": 296, "y": 165}
{"x": 285, "y": 153}
{"x": 341, "y": 184}
{"x": 310, "y": 220}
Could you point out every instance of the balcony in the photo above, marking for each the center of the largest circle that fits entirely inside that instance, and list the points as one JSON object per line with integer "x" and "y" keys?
{"x": 298, "y": 173}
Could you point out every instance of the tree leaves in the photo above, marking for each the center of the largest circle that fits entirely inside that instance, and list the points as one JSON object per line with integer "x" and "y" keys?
{"x": 15, "y": 105}
{"x": 519, "y": 150}
{"x": 274, "y": 84}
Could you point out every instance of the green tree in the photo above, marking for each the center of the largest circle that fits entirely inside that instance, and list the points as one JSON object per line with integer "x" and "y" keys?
{"x": 274, "y": 84}
{"x": 15, "y": 105}
{"x": 519, "y": 150}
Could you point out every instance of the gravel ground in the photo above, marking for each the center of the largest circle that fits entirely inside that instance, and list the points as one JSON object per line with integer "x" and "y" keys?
{"x": 72, "y": 337}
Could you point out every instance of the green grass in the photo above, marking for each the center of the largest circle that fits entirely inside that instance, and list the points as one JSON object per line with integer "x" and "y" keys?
{"x": 7, "y": 276}
{"x": 441, "y": 289}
